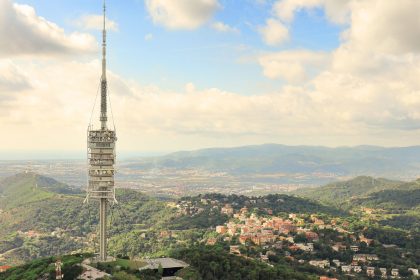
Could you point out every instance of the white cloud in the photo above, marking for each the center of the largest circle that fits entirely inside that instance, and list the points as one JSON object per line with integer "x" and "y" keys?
{"x": 223, "y": 27}
{"x": 336, "y": 11}
{"x": 369, "y": 85}
{"x": 23, "y": 32}
{"x": 293, "y": 66}
{"x": 385, "y": 26}
{"x": 95, "y": 22}
{"x": 335, "y": 108}
{"x": 181, "y": 14}
{"x": 286, "y": 9}
{"x": 274, "y": 32}
{"x": 366, "y": 91}
{"x": 12, "y": 78}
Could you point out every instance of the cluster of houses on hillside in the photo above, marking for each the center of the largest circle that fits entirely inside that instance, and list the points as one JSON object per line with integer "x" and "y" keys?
{"x": 272, "y": 232}
{"x": 245, "y": 228}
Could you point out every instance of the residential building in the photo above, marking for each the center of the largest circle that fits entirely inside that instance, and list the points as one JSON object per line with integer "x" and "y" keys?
{"x": 234, "y": 250}
{"x": 346, "y": 268}
{"x": 383, "y": 272}
{"x": 228, "y": 210}
{"x": 312, "y": 236}
{"x": 395, "y": 272}
{"x": 365, "y": 240}
{"x": 243, "y": 239}
{"x": 356, "y": 268}
{"x": 365, "y": 257}
{"x": 338, "y": 247}
{"x": 321, "y": 264}
{"x": 370, "y": 271}
{"x": 221, "y": 229}
{"x": 414, "y": 271}
{"x": 211, "y": 241}
{"x": 354, "y": 248}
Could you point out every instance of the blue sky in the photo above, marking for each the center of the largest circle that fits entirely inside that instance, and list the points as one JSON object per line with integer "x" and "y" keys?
{"x": 189, "y": 74}
{"x": 176, "y": 57}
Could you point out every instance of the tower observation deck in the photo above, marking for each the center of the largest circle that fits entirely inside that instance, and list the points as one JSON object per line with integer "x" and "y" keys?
{"x": 101, "y": 158}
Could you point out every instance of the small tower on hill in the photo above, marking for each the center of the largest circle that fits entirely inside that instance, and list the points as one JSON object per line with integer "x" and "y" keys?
{"x": 58, "y": 274}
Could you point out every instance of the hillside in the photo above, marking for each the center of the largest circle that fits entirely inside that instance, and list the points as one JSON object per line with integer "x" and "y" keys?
{"x": 339, "y": 192}
{"x": 396, "y": 203}
{"x": 42, "y": 217}
{"x": 367, "y": 191}
{"x": 45, "y": 268}
{"x": 144, "y": 227}
{"x": 63, "y": 224}
{"x": 24, "y": 188}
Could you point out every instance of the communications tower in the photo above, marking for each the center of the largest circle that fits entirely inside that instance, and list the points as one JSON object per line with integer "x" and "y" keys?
{"x": 101, "y": 158}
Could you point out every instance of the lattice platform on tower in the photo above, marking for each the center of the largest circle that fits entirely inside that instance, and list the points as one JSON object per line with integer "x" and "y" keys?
{"x": 101, "y": 160}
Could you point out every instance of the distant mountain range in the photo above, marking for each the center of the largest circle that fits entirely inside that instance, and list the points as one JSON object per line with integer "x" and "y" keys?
{"x": 397, "y": 163}
{"x": 266, "y": 167}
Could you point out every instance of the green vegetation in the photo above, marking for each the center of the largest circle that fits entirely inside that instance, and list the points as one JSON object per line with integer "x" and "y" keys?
{"x": 394, "y": 204}
{"x": 57, "y": 218}
{"x": 24, "y": 188}
{"x": 405, "y": 222}
{"x": 21, "y": 189}
{"x": 397, "y": 200}
{"x": 45, "y": 268}
{"x": 135, "y": 223}
{"x": 54, "y": 222}
{"x": 342, "y": 192}
{"x": 216, "y": 263}
{"x": 128, "y": 264}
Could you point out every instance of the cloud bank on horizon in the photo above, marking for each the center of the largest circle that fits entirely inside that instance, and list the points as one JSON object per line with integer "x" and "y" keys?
{"x": 366, "y": 90}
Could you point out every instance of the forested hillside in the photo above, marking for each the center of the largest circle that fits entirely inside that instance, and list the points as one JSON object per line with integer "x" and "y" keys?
{"x": 42, "y": 217}
{"x": 339, "y": 192}
{"x": 28, "y": 187}
{"x": 54, "y": 221}
{"x": 397, "y": 204}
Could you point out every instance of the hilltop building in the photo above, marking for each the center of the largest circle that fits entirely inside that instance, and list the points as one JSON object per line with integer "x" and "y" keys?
{"x": 169, "y": 265}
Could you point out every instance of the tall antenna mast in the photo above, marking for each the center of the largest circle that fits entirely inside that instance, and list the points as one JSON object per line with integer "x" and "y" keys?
{"x": 101, "y": 158}
{"x": 104, "y": 83}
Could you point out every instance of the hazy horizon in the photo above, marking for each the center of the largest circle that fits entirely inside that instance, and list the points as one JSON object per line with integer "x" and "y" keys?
{"x": 126, "y": 155}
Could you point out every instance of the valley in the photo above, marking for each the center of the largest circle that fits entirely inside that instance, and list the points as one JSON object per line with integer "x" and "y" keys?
{"x": 247, "y": 170}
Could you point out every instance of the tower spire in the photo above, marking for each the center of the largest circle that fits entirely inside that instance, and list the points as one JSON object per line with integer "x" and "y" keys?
{"x": 104, "y": 83}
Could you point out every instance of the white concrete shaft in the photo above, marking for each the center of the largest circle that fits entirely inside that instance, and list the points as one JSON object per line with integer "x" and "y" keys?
{"x": 102, "y": 222}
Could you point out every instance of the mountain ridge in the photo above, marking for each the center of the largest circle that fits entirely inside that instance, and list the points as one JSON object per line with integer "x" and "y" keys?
{"x": 28, "y": 187}
{"x": 358, "y": 190}
{"x": 393, "y": 162}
